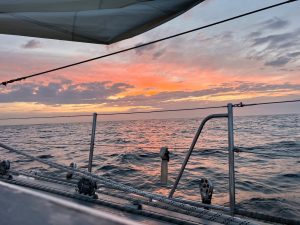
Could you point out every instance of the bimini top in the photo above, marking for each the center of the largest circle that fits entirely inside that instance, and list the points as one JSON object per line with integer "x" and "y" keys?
{"x": 93, "y": 21}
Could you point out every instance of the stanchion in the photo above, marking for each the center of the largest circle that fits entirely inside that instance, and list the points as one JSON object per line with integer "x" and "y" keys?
{"x": 231, "y": 159}
{"x": 92, "y": 142}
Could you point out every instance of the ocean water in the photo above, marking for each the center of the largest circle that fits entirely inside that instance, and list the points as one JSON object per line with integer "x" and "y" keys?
{"x": 267, "y": 157}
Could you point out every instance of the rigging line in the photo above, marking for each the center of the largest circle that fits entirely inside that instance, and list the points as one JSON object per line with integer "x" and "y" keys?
{"x": 265, "y": 103}
{"x": 113, "y": 114}
{"x": 146, "y": 44}
{"x": 164, "y": 110}
{"x": 43, "y": 117}
{"x": 153, "y": 111}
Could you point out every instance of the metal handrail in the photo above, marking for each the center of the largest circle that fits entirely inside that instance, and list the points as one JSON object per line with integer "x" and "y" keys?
{"x": 228, "y": 115}
{"x": 191, "y": 149}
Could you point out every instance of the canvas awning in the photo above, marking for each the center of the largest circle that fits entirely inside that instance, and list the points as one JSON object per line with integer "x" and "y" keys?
{"x": 93, "y": 21}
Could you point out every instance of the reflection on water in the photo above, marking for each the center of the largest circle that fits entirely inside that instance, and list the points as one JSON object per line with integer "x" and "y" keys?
{"x": 267, "y": 158}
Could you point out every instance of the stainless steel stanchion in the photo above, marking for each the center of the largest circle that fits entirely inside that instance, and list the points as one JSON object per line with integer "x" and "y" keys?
{"x": 231, "y": 159}
{"x": 92, "y": 142}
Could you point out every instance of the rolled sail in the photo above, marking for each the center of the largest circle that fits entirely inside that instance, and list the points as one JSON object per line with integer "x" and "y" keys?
{"x": 92, "y": 21}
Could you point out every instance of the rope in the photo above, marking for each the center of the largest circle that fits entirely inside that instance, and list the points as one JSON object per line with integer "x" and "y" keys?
{"x": 208, "y": 215}
{"x": 148, "y": 43}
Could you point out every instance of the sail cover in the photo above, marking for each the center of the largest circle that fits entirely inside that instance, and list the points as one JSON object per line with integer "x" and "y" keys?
{"x": 93, "y": 21}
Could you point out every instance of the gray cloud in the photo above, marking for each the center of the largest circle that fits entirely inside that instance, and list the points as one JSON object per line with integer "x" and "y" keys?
{"x": 255, "y": 34}
{"x": 225, "y": 88}
{"x": 281, "y": 61}
{"x": 159, "y": 53}
{"x": 271, "y": 24}
{"x": 293, "y": 54}
{"x": 276, "y": 40}
{"x": 228, "y": 35}
{"x": 96, "y": 93}
{"x": 156, "y": 50}
{"x": 32, "y": 44}
{"x": 275, "y": 23}
{"x": 56, "y": 93}
{"x": 275, "y": 50}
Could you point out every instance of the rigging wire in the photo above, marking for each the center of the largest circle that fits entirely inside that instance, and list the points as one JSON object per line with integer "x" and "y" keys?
{"x": 266, "y": 103}
{"x": 44, "y": 117}
{"x": 239, "y": 105}
{"x": 113, "y": 114}
{"x": 146, "y": 44}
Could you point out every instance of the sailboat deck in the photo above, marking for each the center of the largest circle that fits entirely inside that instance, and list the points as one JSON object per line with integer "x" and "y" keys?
{"x": 26, "y": 206}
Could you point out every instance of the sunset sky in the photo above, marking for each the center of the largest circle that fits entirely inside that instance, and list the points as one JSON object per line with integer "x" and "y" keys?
{"x": 252, "y": 59}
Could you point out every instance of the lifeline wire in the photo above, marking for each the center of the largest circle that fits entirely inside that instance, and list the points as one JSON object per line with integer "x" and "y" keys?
{"x": 113, "y": 114}
{"x": 43, "y": 117}
{"x": 265, "y": 103}
{"x": 155, "y": 111}
{"x": 146, "y": 44}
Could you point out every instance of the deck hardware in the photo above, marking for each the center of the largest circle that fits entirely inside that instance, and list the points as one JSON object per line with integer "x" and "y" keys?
{"x": 87, "y": 186}
{"x": 206, "y": 190}
{"x": 165, "y": 157}
{"x": 35, "y": 172}
{"x": 70, "y": 174}
{"x": 137, "y": 205}
{"x": 4, "y": 169}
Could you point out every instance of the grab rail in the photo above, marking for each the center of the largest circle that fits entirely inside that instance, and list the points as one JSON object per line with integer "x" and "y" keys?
{"x": 191, "y": 149}
{"x": 228, "y": 115}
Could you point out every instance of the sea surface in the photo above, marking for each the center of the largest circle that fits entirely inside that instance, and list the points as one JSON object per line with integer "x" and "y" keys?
{"x": 267, "y": 157}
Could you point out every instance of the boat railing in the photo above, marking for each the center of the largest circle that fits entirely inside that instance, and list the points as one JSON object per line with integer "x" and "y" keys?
{"x": 229, "y": 116}
{"x": 231, "y": 161}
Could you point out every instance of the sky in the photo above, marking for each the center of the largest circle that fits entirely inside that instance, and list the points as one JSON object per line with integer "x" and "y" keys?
{"x": 252, "y": 59}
